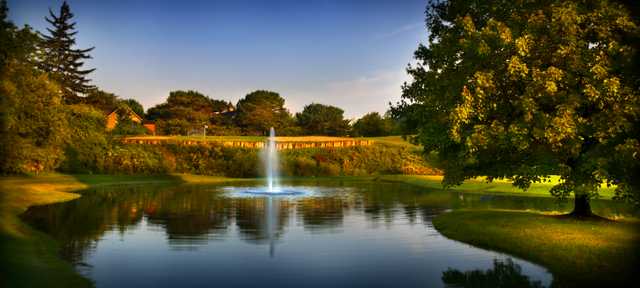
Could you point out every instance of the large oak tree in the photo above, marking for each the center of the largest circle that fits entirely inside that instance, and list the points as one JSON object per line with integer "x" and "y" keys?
{"x": 525, "y": 89}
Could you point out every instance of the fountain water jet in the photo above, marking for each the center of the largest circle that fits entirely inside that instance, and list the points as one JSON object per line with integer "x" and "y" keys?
{"x": 271, "y": 159}
{"x": 270, "y": 162}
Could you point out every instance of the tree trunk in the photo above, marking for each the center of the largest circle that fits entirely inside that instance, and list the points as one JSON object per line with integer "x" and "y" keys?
{"x": 581, "y": 205}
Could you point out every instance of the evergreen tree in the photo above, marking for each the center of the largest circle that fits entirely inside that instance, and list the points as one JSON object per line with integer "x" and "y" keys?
{"x": 60, "y": 57}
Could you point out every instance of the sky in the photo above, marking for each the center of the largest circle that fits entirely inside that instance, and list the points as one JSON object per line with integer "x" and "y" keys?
{"x": 351, "y": 54}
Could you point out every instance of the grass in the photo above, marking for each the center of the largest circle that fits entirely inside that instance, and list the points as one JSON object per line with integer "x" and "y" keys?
{"x": 578, "y": 252}
{"x": 29, "y": 257}
{"x": 393, "y": 140}
{"x": 480, "y": 185}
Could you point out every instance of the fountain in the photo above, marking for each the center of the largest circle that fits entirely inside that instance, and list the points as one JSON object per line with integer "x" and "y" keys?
{"x": 271, "y": 159}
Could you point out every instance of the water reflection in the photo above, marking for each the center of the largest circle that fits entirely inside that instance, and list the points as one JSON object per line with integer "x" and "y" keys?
{"x": 340, "y": 237}
{"x": 503, "y": 274}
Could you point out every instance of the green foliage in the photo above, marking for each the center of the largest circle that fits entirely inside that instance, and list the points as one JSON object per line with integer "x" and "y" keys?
{"x": 101, "y": 100}
{"x": 126, "y": 126}
{"x": 215, "y": 159}
{"x": 133, "y": 159}
{"x": 33, "y": 122}
{"x": 352, "y": 161}
{"x": 87, "y": 142}
{"x": 61, "y": 59}
{"x": 373, "y": 125}
{"x": 185, "y": 111}
{"x": 319, "y": 119}
{"x": 135, "y": 106}
{"x": 261, "y": 110}
{"x": 522, "y": 90}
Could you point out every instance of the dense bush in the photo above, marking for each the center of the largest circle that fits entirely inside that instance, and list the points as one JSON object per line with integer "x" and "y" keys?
{"x": 87, "y": 142}
{"x": 215, "y": 159}
{"x": 33, "y": 124}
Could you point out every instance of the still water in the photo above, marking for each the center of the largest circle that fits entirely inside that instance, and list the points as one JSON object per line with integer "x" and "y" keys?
{"x": 343, "y": 234}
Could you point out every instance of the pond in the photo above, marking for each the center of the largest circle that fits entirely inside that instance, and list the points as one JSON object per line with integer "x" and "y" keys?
{"x": 343, "y": 234}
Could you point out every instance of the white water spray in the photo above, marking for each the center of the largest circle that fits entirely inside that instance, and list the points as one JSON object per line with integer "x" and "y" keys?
{"x": 271, "y": 159}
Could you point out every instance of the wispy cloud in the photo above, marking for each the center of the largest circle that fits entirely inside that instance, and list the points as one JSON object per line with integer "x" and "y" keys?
{"x": 400, "y": 30}
{"x": 370, "y": 93}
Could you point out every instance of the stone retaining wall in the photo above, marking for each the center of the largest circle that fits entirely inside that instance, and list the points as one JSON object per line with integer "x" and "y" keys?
{"x": 254, "y": 144}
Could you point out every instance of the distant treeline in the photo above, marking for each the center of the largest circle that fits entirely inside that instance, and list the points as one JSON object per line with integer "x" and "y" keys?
{"x": 186, "y": 112}
{"x": 52, "y": 118}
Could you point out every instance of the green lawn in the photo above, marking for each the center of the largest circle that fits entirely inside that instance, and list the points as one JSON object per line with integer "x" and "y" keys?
{"x": 580, "y": 253}
{"x": 479, "y": 185}
{"x": 392, "y": 140}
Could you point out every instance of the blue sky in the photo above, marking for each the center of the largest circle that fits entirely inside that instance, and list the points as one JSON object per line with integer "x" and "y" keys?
{"x": 351, "y": 54}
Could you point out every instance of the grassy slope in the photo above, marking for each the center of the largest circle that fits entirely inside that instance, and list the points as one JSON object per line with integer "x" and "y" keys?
{"x": 479, "y": 185}
{"x": 578, "y": 252}
{"x": 29, "y": 257}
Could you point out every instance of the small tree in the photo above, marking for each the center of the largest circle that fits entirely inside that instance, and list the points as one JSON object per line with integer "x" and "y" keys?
{"x": 101, "y": 100}
{"x": 526, "y": 89}
{"x": 61, "y": 59}
{"x": 184, "y": 111}
{"x": 260, "y": 110}
{"x": 135, "y": 106}
{"x": 373, "y": 125}
{"x": 319, "y": 119}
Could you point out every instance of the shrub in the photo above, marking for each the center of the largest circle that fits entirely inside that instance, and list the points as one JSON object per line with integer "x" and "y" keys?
{"x": 87, "y": 143}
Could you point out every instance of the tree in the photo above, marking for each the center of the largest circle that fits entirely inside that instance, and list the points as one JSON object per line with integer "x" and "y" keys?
{"x": 373, "y": 125}
{"x": 135, "y": 106}
{"x": 33, "y": 120}
{"x": 185, "y": 111}
{"x": 61, "y": 59}
{"x": 525, "y": 89}
{"x": 32, "y": 124}
{"x": 101, "y": 100}
{"x": 16, "y": 44}
{"x": 260, "y": 110}
{"x": 318, "y": 119}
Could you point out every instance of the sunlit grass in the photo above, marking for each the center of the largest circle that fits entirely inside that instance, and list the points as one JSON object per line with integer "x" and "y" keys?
{"x": 578, "y": 252}
{"x": 480, "y": 185}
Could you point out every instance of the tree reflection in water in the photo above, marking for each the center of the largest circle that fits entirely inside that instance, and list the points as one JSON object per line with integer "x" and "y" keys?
{"x": 191, "y": 216}
{"x": 504, "y": 274}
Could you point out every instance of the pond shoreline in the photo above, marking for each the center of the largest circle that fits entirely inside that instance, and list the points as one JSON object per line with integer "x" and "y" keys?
{"x": 579, "y": 253}
{"x": 29, "y": 252}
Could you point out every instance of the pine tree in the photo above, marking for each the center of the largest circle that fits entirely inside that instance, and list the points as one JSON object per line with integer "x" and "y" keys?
{"x": 61, "y": 59}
